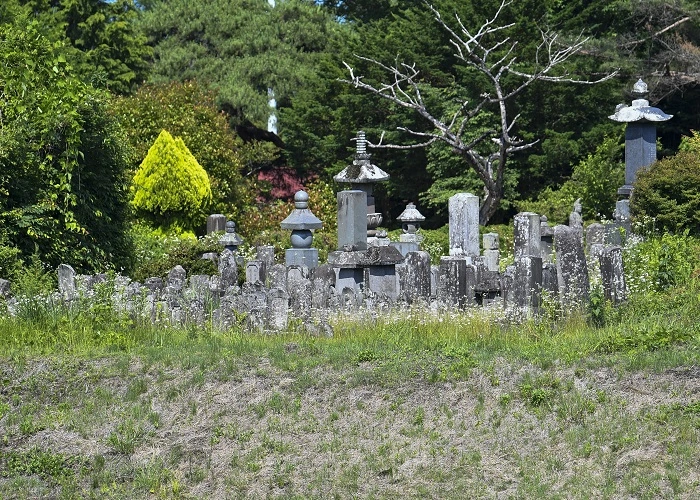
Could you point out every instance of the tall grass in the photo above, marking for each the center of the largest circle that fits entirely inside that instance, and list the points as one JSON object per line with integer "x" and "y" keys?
{"x": 658, "y": 315}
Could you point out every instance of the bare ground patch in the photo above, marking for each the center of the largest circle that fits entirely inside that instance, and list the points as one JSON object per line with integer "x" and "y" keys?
{"x": 509, "y": 430}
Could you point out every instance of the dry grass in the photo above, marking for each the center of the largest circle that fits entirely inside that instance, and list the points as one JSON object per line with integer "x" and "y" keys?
{"x": 135, "y": 426}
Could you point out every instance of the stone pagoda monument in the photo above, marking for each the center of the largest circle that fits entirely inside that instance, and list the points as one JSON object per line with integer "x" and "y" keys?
{"x": 359, "y": 266}
{"x": 361, "y": 175}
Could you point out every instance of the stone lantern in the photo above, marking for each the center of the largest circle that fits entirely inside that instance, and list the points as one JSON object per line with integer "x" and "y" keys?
{"x": 410, "y": 223}
{"x": 409, "y": 241}
{"x": 301, "y": 221}
{"x": 640, "y": 134}
{"x": 229, "y": 260}
{"x": 361, "y": 175}
{"x": 230, "y": 240}
{"x": 640, "y": 143}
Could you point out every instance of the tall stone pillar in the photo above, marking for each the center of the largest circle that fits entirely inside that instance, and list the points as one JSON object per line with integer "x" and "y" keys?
{"x": 352, "y": 219}
{"x": 464, "y": 225}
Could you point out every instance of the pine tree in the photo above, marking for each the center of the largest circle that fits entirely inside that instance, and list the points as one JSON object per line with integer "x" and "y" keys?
{"x": 241, "y": 48}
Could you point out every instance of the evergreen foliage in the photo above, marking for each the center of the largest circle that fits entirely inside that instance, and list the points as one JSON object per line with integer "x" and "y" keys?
{"x": 188, "y": 111}
{"x": 669, "y": 191}
{"x": 241, "y": 47}
{"x": 62, "y": 160}
{"x": 100, "y": 38}
{"x": 594, "y": 180}
{"x": 170, "y": 186}
{"x": 568, "y": 120}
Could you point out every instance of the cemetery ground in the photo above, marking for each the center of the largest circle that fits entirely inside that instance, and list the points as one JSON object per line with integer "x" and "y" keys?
{"x": 604, "y": 403}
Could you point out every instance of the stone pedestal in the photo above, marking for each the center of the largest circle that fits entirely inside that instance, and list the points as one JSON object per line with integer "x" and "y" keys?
{"x": 301, "y": 257}
{"x": 380, "y": 276}
{"x": 350, "y": 277}
{"x": 405, "y": 247}
{"x": 382, "y": 280}
{"x": 623, "y": 215}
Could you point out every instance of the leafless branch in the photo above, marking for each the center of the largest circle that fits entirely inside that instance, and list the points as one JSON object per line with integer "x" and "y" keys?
{"x": 492, "y": 60}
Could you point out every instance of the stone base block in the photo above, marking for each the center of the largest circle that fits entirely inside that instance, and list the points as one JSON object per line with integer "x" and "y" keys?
{"x": 405, "y": 247}
{"x": 307, "y": 257}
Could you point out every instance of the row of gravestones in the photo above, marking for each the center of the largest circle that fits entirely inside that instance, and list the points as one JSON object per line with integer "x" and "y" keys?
{"x": 272, "y": 292}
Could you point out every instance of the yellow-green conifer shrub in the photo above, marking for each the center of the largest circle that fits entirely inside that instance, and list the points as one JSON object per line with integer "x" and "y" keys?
{"x": 170, "y": 187}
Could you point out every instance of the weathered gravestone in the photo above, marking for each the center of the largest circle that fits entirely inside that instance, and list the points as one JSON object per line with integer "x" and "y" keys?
{"x": 66, "y": 281}
{"x": 278, "y": 309}
{"x": 612, "y": 274}
{"x": 414, "y": 277}
{"x": 492, "y": 253}
{"x": 457, "y": 282}
{"x": 324, "y": 282}
{"x": 255, "y": 271}
{"x": 463, "y": 211}
{"x": 572, "y": 271}
{"x": 215, "y": 223}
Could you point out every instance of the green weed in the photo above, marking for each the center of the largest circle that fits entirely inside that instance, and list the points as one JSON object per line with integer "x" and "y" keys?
{"x": 53, "y": 466}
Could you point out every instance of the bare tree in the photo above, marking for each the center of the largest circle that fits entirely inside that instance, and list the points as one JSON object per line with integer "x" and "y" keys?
{"x": 495, "y": 60}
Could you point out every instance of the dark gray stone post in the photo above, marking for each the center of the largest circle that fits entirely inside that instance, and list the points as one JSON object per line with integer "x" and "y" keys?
{"x": 612, "y": 274}
{"x": 572, "y": 270}
{"x": 352, "y": 220}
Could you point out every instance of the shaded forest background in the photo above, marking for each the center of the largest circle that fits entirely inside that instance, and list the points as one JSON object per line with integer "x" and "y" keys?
{"x": 86, "y": 87}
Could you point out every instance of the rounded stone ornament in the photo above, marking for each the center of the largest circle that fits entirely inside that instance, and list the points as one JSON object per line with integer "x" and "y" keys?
{"x": 301, "y": 200}
{"x": 302, "y": 238}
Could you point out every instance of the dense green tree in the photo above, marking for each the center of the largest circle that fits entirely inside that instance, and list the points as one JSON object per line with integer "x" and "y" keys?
{"x": 567, "y": 122}
{"x": 594, "y": 180}
{"x": 669, "y": 190}
{"x": 62, "y": 163}
{"x": 102, "y": 43}
{"x": 188, "y": 111}
{"x": 241, "y": 48}
{"x": 471, "y": 103}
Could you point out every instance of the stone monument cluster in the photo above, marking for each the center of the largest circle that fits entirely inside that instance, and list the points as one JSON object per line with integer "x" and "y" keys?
{"x": 369, "y": 272}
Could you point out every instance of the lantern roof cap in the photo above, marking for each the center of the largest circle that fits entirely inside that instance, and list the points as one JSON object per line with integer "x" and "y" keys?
{"x": 361, "y": 171}
{"x": 639, "y": 111}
